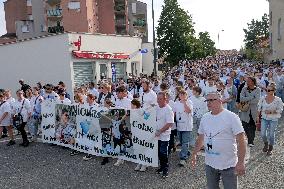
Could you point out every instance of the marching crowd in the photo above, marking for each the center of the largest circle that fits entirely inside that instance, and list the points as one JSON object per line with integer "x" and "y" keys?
{"x": 214, "y": 105}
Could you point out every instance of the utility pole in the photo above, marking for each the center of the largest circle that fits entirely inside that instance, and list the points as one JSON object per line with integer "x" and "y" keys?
{"x": 154, "y": 41}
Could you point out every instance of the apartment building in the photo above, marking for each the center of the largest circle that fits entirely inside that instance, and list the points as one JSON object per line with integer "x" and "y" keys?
{"x": 276, "y": 14}
{"x": 33, "y": 18}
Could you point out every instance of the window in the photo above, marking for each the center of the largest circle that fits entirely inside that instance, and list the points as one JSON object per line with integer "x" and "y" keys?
{"x": 74, "y": 5}
{"x": 30, "y": 17}
{"x": 279, "y": 29}
{"x": 29, "y": 3}
{"x": 25, "y": 28}
{"x": 134, "y": 8}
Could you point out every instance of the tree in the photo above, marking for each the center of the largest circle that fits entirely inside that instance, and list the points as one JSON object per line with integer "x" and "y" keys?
{"x": 174, "y": 32}
{"x": 256, "y": 33}
{"x": 176, "y": 36}
{"x": 207, "y": 45}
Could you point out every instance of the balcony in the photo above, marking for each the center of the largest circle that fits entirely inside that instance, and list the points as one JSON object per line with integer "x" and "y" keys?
{"x": 53, "y": 2}
{"x": 56, "y": 29}
{"x": 139, "y": 23}
{"x": 54, "y": 13}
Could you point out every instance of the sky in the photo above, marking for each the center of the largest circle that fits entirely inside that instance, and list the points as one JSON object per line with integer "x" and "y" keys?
{"x": 209, "y": 15}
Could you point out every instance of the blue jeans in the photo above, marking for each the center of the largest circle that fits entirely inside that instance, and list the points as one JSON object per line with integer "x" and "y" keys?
{"x": 184, "y": 138}
{"x": 163, "y": 155}
{"x": 229, "y": 178}
{"x": 268, "y": 128}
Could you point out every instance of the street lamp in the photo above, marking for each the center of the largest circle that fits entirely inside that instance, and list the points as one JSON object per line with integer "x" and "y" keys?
{"x": 154, "y": 41}
{"x": 219, "y": 37}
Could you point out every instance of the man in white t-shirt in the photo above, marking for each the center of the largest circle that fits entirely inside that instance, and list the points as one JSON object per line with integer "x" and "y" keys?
{"x": 165, "y": 120}
{"x": 223, "y": 137}
{"x": 5, "y": 118}
{"x": 148, "y": 97}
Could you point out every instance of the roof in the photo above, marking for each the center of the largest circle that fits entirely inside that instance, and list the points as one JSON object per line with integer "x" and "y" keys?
{"x": 50, "y": 35}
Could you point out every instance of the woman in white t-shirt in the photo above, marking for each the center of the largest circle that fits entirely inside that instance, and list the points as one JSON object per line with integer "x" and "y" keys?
{"x": 5, "y": 118}
{"x": 270, "y": 107}
{"x": 184, "y": 118}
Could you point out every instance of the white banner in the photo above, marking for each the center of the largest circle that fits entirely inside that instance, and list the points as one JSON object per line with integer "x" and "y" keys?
{"x": 128, "y": 135}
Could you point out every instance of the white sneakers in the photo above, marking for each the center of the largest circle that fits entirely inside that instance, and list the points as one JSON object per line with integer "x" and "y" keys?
{"x": 141, "y": 168}
{"x": 119, "y": 162}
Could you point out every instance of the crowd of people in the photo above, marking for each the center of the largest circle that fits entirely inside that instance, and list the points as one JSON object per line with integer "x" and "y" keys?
{"x": 214, "y": 104}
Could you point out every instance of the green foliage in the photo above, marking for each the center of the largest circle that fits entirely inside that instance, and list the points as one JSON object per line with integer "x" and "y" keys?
{"x": 256, "y": 32}
{"x": 176, "y": 35}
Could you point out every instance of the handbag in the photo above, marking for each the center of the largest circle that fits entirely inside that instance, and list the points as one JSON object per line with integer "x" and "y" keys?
{"x": 18, "y": 118}
{"x": 243, "y": 106}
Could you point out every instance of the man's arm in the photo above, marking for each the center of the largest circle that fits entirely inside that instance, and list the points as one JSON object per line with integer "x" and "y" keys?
{"x": 163, "y": 129}
{"x": 198, "y": 146}
{"x": 240, "y": 167}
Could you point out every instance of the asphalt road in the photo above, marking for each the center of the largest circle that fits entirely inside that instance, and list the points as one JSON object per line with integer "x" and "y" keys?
{"x": 43, "y": 166}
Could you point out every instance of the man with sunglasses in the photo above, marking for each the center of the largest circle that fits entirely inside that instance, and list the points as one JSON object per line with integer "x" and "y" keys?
{"x": 49, "y": 93}
{"x": 223, "y": 137}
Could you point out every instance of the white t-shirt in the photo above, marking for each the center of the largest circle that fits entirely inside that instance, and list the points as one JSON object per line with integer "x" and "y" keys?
{"x": 172, "y": 104}
{"x": 5, "y": 107}
{"x": 147, "y": 99}
{"x": 220, "y": 139}
{"x": 115, "y": 129}
{"x": 199, "y": 106}
{"x": 66, "y": 101}
{"x": 184, "y": 120}
{"x": 164, "y": 115}
{"x": 123, "y": 103}
{"x": 26, "y": 108}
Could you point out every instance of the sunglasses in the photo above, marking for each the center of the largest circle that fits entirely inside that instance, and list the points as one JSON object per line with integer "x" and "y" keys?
{"x": 270, "y": 90}
{"x": 210, "y": 100}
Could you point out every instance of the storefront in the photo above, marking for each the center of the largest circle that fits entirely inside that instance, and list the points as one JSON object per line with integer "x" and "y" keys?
{"x": 71, "y": 57}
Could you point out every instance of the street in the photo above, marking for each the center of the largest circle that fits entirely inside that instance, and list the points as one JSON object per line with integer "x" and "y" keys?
{"x": 44, "y": 166}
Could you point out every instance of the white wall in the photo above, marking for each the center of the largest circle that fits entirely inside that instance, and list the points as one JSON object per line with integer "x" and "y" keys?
{"x": 276, "y": 7}
{"x": 45, "y": 59}
{"x": 109, "y": 44}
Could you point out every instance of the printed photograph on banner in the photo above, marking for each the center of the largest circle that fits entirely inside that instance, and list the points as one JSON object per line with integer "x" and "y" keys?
{"x": 116, "y": 132}
{"x": 88, "y": 138}
{"x": 65, "y": 125}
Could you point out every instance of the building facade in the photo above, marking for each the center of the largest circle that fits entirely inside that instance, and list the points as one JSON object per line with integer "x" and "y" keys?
{"x": 70, "y": 57}
{"x": 33, "y": 18}
{"x": 276, "y": 14}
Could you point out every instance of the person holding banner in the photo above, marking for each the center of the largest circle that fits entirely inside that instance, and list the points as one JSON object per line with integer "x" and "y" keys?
{"x": 165, "y": 120}
{"x": 183, "y": 111}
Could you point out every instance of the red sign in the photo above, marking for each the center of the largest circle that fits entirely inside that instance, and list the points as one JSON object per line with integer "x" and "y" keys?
{"x": 94, "y": 55}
